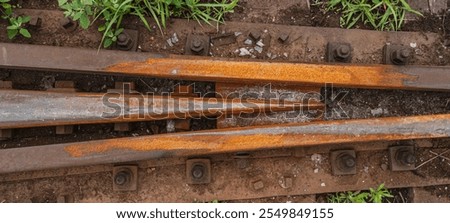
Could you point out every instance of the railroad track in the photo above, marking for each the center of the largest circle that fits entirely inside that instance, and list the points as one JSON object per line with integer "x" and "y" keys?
{"x": 281, "y": 144}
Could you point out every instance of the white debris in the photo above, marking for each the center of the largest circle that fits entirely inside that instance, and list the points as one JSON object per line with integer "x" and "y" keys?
{"x": 413, "y": 45}
{"x": 260, "y": 43}
{"x": 258, "y": 49}
{"x": 237, "y": 33}
{"x": 316, "y": 170}
{"x": 243, "y": 52}
{"x": 366, "y": 169}
{"x": 322, "y": 185}
{"x": 174, "y": 38}
{"x": 377, "y": 111}
{"x": 248, "y": 42}
{"x": 269, "y": 55}
{"x": 316, "y": 158}
{"x": 285, "y": 55}
{"x": 170, "y": 126}
{"x": 169, "y": 42}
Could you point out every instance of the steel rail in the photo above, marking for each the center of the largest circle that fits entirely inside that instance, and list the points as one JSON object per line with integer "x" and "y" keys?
{"x": 222, "y": 141}
{"x": 23, "y": 109}
{"x": 222, "y": 70}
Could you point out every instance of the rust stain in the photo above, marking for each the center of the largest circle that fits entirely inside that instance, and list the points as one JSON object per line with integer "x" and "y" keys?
{"x": 209, "y": 145}
{"x": 370, "y": 76}
{"x": 275, "y": 136}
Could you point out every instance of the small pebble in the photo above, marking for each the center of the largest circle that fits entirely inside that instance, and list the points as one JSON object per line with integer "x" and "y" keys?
{"x": 317, "y": 158}
{"x": 322, "y": 185}
{"x": 377, "y": 111}
{"x": 260, "y": 43}
{"x": 316, "y": 170}
{"x": 248, "y": 42}
{"x": 413, "y": 45}
{"x": 169, "y": 42}
{"x": 243, "y": 52}
{"x": 170, "y": 126}
{"x": 174, "y": 38}
{"x": 366, "y": 169}
{"x": 237, "y": 33}
{"x": 258, "y": 49}
{"x": 384, "y": 167}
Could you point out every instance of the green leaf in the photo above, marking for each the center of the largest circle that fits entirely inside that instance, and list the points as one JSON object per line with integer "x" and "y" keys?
{"x": 26, "y": 19}
{"x": 118, "y": 31}
{"x": 101, "y": 28}
{"x": 84, "y": 21}
{"x": 107, "y": 43}
{"x": 62, "y": 2}
{"x": 6, "y": 5}
{"x": 77, "y": 16}
{"x": 25, "y": 33}
{"x": 12, "y": 33}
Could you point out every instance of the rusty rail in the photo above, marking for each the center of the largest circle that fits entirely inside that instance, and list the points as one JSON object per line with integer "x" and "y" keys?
{"x": 22, "y": 109}
{"x": 223, "y": 140}
{"x": 222, "y": 70}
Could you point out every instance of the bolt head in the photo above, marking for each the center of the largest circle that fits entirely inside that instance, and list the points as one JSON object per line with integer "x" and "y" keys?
{"x": 410, "y": 159}
{"x": 342, "y": 52}
{"x": 400, "y": 56}
{"x": 347, "y": 161}
{"x": 350, "y": 162}
{"x": 406, "y": 157}
{"x": 121, "y": 178}
{"x": 124, "y": 41}
{"x": 404, "y": 53}
{"x": 198, "y": 171}
{"x": 122, "y": 37}
{"x": 196, "y": 45}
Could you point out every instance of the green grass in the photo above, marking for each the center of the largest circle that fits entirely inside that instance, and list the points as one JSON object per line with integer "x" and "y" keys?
{"x": 381, "y": 15}
{"x": 377, "y": 195}
{"x": 112, "y": 12}
{"x": 16, "y": 23}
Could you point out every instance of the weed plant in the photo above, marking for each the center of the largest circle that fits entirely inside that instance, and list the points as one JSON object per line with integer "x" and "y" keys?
{"x": 16, "y": 23}
{"x": 382, "y": 15}
{"x": 377, "y": 195}
{"x": 112, "y": 12}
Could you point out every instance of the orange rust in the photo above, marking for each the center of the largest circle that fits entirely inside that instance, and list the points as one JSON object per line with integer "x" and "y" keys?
{"x": 209, "y": 145}
{"x": 369, "y": 76}
{"x": 254, "y": 138}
